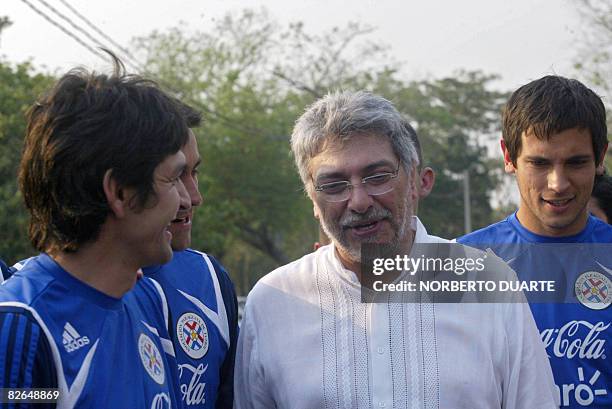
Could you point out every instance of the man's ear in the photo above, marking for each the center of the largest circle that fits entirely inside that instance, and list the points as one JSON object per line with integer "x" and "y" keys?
{"x": 601, "y": 168}
{"x": 426, "y": 182}
{"x": 115, "y": 194}
{"x": 508, "y": 165}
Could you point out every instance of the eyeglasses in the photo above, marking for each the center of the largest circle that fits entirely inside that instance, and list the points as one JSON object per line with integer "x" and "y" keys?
{"x": 374, "y": 185}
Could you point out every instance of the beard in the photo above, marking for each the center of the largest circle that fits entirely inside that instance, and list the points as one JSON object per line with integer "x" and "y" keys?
{"x": 338, "y": 231}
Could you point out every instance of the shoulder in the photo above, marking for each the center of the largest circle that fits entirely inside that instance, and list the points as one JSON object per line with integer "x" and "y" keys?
{"x": 20, "y": 321}
{"x": 601, "y": 233}
{"x": 210, "y": 263}
{"x": 301, "y": 266}
{"x": 27, "y": 284}
{"x": 29, "y": 358}
{"x": 146, "y": 293}
{"x": 4, "y": 271}
{"x": 188, "y": 268}
{"x": 494, "y": 233}
{"x": 294, "y": 278}
{"x": 190, "y": 258}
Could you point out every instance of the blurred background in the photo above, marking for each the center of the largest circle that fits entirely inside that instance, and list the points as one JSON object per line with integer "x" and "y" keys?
{"x": 252, "y": 66}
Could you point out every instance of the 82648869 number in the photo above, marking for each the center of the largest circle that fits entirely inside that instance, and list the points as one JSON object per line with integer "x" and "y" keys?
{"x": 29, "y": 395}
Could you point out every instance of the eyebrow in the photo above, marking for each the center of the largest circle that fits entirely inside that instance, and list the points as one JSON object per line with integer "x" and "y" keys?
{"x": 571, "y": 158}
{"x": 365, "y": 170}
{"x": 582, "y": 157}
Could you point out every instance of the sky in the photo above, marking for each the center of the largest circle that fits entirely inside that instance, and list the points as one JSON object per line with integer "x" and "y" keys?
{"x": 520, "y": 40}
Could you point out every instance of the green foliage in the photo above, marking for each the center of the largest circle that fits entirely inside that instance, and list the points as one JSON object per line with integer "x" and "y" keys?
{"x": 253, "y": 215}
{"x": 19, "y": 87}
{"x": 454, "y": 118}
{"x": 594, "y": 59}
{"x": 252, "y": 79}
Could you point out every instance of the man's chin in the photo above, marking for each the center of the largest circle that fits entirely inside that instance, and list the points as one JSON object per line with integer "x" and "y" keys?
{"x": 180, "y": 243}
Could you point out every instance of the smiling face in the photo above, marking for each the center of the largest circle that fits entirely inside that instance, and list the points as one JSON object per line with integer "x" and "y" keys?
{"x": 362, "y": 218}
{"x": 555, "y": 179}
{"x": 147, "y": 230}
{"x": 181, "y": 226}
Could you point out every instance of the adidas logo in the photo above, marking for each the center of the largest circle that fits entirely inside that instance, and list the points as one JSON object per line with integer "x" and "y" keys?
{"x": 71, "y": 339}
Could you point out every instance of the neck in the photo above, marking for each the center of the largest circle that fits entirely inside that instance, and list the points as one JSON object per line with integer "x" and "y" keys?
{"x": 102, "y": 266}
{"x": 530, "y": 222}
{"x": 348, "y": 263}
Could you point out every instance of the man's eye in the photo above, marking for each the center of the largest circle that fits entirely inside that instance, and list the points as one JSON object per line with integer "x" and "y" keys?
{"x": 537, "y": 162}
{"x": 378, "y": 179}
{"x": 334, "y": 187}
{"x": 578, "y": 162}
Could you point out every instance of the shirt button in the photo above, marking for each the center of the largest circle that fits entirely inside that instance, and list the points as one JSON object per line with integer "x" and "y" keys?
{"x": 381, "y": 404}
{"x": 381, "y": 351}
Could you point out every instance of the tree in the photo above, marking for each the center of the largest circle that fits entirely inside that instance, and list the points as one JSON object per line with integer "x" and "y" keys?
{"x": 594, "y": 60}
{"x": 455, "y": 118}
{"x": 19, "y": 87}
{"x": 252, "y": 79}
{"x": 255, "y": 212}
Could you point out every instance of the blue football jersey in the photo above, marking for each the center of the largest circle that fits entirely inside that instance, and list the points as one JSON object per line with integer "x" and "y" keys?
{"x": 99, "y": 351}
{"x": 576, "y": 328}
{"x": 203, "y": 326}
{"x": 4, "y": 271}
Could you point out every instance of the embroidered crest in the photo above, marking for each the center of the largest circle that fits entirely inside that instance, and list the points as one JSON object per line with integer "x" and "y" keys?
{"x": 593, "y": 290}
{"x": 151, "y": 358}
{"x": 192, "y": 335}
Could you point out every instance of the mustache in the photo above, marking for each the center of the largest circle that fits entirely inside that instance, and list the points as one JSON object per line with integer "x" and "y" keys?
{"x": 372, "y": 215}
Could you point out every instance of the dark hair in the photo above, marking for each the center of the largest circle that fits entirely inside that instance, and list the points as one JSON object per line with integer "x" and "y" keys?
{"x": 193, "y": 118}
{"x": 602, "y": 192}
{"x": 87, "y": 124}
{"x": 550, "y": 105}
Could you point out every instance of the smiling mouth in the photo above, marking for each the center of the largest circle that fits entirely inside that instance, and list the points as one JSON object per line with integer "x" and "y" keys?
{"x": 363, "y": 227}
{"x": 181, "y": 220}
{"x": 559, "y": 202}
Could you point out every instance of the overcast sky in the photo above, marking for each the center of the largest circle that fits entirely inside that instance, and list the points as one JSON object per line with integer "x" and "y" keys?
{"x": 520, "y": 39}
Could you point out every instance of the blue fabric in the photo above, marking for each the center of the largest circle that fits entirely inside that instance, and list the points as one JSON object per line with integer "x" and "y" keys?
{"x": 206, "y": 361}
{"x": 95, "y": 348}
{"x": 4, "y": 271}
{"x": 578, "y": 338}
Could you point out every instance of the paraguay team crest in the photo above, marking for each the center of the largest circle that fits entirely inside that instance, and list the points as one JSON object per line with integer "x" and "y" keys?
{"x": 151, "y": 358}
{"x": 594, "y": 290}
{"x": 192, "y": 335}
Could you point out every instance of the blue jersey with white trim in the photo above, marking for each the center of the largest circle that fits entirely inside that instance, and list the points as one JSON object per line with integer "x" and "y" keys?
{"x": 4, "y": 271}
{"x": 577, "y": 333}
{"x": 203, "y": 326}
{"x": 99, "y": 351}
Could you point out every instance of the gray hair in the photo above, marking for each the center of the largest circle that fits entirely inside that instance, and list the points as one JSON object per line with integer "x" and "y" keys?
{"x": 339, "y": 115}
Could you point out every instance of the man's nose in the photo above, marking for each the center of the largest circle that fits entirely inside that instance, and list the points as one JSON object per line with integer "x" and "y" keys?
{"x": 557, "y": 179}
{"x": 194, "y": 192}
{"x": 185, "y": 200}
{"x": 360, "y": 200}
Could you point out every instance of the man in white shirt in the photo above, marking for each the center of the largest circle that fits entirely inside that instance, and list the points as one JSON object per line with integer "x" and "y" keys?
{"x": 307, "y": 339}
